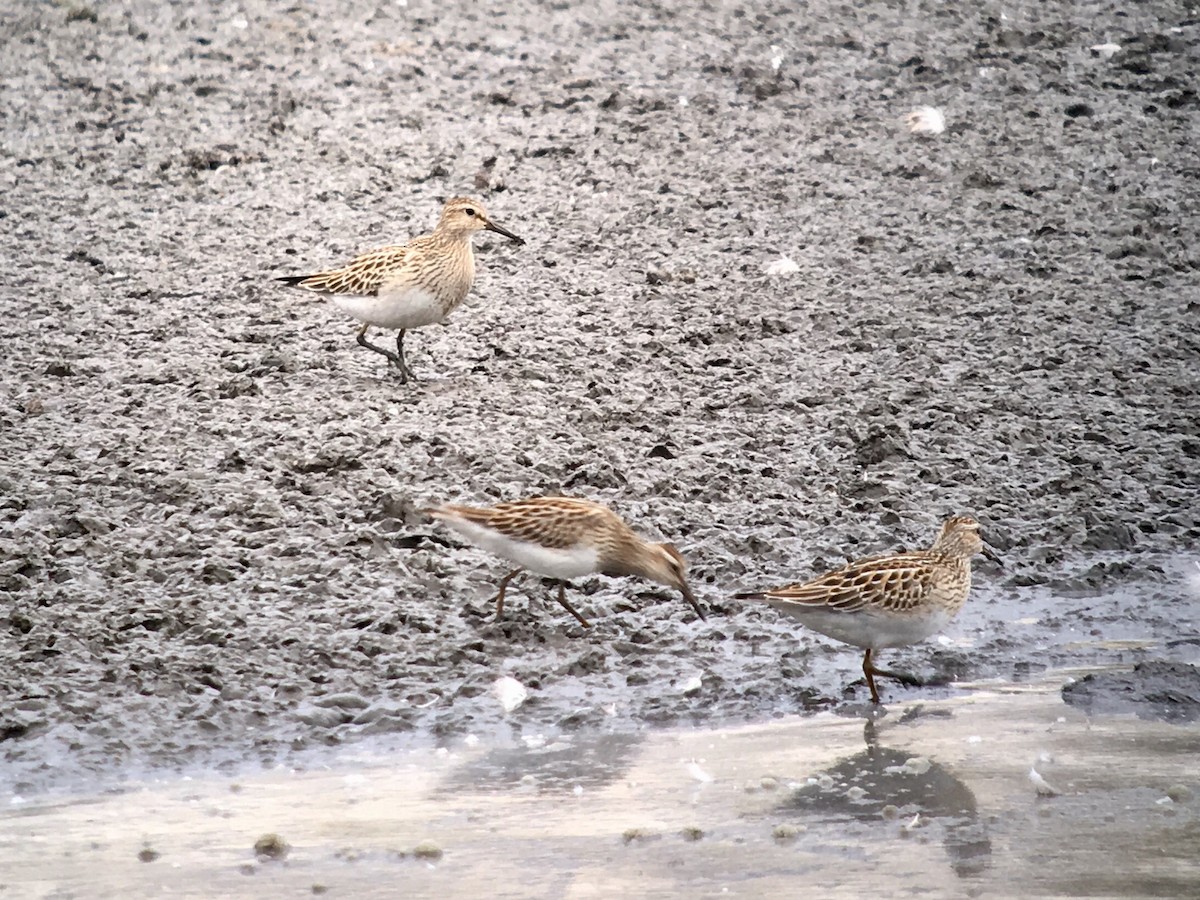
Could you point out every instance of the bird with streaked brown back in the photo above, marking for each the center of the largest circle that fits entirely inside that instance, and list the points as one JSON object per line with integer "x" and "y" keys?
{"x": 887, "y": 601}
{"x": 409, "y": 285}
{"x": 565, "y": 538}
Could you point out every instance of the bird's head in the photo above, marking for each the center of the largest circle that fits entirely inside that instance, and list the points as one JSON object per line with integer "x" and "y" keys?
{"x": 463, "y": 216}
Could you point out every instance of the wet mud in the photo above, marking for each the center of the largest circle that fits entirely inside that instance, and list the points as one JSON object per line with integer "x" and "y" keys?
{"x": 1152, "y": 690}
{"x": 209, "y": 550}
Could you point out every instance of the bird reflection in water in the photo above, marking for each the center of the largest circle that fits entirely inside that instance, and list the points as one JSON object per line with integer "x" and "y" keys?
{"x": 887, "y": 779}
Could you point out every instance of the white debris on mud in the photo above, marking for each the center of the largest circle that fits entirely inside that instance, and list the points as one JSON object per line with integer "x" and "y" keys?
{"x": 927, "y": 120}
{"x": 510, "y": 692}
{"x": 785, "y": 265}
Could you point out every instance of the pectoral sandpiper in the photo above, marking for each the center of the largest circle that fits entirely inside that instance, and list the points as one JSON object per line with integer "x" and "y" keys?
{"x": 565, "y": 538}
{"x": 411, "y": 285}
{"x": 887, "y": 601}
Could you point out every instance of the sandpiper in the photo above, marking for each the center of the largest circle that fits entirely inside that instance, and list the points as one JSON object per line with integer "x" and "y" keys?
{"x": 410, "y": 285}
{"x": 565, "y": 538}
{"x": 887, "y": 601}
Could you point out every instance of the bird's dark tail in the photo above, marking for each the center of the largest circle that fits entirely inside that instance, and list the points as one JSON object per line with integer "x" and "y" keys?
{"x": 292, "y": 280}
{"x": 750, "y": 595}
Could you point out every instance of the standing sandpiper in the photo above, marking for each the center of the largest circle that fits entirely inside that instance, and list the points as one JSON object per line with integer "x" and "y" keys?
{"x": 887, "y": 601}
{"x": 410, "y": 285}
{"x": 564, "y": 538}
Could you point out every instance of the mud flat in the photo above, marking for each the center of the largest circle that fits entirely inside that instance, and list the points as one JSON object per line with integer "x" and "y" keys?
{"x": 208, "y": 551}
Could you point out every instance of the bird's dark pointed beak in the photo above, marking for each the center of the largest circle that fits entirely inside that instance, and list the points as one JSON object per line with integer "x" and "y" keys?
{"x": 989, "y": 553}
{"x": 492, "y": 226}
{"x": 691, "y": 598}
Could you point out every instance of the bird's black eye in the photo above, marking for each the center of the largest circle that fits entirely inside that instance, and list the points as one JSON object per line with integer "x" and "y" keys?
{"x": 469, "y": 211}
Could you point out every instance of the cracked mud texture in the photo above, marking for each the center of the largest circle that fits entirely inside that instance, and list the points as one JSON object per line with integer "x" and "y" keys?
{"x": 209, "y": 550}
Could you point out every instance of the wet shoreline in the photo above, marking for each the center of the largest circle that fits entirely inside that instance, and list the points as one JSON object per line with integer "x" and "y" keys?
{"x": 932, "y": 796}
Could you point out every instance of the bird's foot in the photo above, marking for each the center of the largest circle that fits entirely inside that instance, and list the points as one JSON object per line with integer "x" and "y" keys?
{"x": 902, "y": 677}
{"x": 403, "y": 373}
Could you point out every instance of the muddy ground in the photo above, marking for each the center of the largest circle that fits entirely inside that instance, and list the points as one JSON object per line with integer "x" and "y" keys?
{"x": 209, "y": 547}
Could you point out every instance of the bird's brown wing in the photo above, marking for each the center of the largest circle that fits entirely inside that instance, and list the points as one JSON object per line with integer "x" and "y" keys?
{"x": 896, "y": 583}
{"x": 363, "y": 275}
{"x": 554, "y": 522}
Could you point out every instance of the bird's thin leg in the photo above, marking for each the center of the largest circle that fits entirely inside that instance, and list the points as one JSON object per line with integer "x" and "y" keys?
{"x": 562, "y": 599}
{"x": 405, "y": 372}
{"x": 393, "y": 358}
{"x": 503, "y": 587}
{"x": 869, "y": 671}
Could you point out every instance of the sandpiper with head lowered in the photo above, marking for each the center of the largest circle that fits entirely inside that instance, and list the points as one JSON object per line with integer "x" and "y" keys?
{"x": 887, "y": 601}
{"x": 409, "y": 285}
{"x": 565, "y": 538}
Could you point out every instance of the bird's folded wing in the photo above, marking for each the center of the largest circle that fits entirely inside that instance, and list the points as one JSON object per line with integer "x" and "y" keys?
{"x": 895, "y": 583}
{"x": 363, "y": 275}
{"x": 554, "y": 522}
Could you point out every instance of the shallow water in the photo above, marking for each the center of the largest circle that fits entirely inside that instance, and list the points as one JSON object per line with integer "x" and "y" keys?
{"x": 934, "y": 799}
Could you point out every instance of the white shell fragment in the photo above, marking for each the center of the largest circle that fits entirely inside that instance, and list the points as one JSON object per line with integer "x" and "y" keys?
{"x": 917, "y": 765}
{"x": 1193, "y": 579}
{"x": 1105, "y": 50}
{"x": 1044, "y": 789}
{"x": 926, "y": 120}
{"x": 697, "y": 773}
{"x": 785, "y": 265}
{"x": 510, "y": 692}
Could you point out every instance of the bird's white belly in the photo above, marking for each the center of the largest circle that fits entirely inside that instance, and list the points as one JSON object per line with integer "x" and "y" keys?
{"x": 867, "y": 630}
{"x": 406, "y": 308}
{"x": 572, "y": 562}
